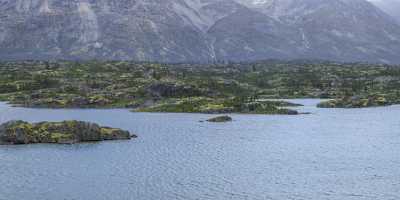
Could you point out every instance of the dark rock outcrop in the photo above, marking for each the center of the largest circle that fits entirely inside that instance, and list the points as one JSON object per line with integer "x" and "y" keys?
{"x": 66, "y": 132}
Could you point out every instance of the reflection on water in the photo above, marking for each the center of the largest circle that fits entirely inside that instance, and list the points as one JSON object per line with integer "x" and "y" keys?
{"x": 331, "y": 154}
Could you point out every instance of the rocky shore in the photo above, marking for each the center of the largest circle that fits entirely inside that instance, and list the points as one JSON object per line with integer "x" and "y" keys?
{"x": 66, "y": 132}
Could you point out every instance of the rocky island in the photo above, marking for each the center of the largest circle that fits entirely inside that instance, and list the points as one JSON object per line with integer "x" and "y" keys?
{"x": 66, "y": 132}
{"x": 221, "y": 106}
{"x": 220, "y": 119}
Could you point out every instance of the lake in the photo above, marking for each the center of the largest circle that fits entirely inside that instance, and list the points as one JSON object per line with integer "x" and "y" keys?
{"x": 331, "y": 154}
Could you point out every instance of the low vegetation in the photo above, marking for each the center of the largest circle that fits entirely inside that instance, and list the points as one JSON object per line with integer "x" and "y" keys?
{"x": 212, "y": 88}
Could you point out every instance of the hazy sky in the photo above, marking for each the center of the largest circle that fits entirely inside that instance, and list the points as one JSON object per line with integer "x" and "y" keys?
{"x": 385, "y": 0}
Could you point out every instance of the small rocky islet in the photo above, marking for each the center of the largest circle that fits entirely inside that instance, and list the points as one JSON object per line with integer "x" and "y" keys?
{"x": 220, "y": 119}
{"x": 66, "y": 132}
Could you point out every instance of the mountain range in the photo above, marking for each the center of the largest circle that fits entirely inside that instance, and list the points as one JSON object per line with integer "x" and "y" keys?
{"x": 198, "y": 30}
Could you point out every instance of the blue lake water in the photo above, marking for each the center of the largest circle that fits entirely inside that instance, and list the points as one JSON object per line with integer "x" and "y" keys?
{"x": 332, "y": 154}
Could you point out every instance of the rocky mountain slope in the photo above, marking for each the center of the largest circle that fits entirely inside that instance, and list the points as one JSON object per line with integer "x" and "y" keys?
{"x": 197, "y": 30}
{"x": 391, "y": 7}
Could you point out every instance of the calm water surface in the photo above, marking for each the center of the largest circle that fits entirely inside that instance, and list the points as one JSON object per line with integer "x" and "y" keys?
{"x": 333, "y": 154}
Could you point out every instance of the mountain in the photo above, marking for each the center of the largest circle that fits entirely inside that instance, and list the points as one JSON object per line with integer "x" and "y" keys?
{"x": 197, "y": 30}
{"x": 347, "y": 30}
{"x": 391, "y": 7}
{"x": 120, "y": 29}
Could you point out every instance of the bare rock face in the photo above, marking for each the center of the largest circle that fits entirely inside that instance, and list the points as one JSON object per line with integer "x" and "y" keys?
{"x": 67, "y": 132}
{"x": 197, "y": 30}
